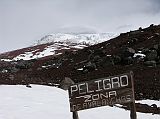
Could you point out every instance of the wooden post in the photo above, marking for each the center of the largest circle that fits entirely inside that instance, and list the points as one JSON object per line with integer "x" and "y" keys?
{"x": 133, "y": 114}
{"x": 65, "y": 84}
{"x": 75, "y": 115}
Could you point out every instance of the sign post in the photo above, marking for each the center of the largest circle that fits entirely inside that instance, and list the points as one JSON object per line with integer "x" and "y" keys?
{"x": 133, "y": 114}
{"x": 75, "y": 115}
{"x": 101, "y": 92}
{"x": 65, "y": 84}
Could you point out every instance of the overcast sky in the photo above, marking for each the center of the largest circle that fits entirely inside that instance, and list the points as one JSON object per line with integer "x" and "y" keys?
{"x": 22, "y": 22}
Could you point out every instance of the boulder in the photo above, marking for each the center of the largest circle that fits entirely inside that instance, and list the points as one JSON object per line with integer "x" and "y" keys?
{"x": 132, "y": 41}
{"x": 89, "y": 67}
{"x": 66, "y": 82}
{"x": 127, "y": 61}
{"x": 106, "y": 61}
{"x": 150, "y": 63}
{"x": 99, "y": 52}
{"x": 156, "y": 34}
{"x": 140, "y": 28}
{"x": 145, "y": 50}
{"x": 156, "y": 47}
{"x": 151, "y": 55}
{"x": 14, "y": 69}
{"x": 127, "y": 52}
{"x": 154, "y": 105}
{"x": 116, "y": 59}
{"x": 28, "y": 86}
{"x": 97, "y": 60}
{"x": 135, "y": 32}
{"x": 152, "y": 25}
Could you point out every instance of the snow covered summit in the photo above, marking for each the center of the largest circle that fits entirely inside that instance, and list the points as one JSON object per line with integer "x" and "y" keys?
{"x": 83, "y": 38}
{"x": 56, "y": 44}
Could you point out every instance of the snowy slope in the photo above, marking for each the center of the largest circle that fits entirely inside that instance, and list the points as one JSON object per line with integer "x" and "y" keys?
{"x": 55, "y": 49}
{"x": 86, "y": 38}
{"x": 42, "y": 102}
{"x": 56, "y": 44}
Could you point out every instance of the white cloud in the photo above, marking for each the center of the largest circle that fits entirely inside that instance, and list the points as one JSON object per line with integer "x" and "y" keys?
{"x": 24, "y": 21}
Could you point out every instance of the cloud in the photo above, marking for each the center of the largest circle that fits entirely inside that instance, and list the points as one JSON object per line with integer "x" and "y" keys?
{"x": 155, "y": 6}
{"x": 24, "y": 21}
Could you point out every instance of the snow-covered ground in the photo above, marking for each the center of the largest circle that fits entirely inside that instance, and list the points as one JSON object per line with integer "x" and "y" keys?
{"x": 43, "y": 102}
{"x": 149, "y": 102}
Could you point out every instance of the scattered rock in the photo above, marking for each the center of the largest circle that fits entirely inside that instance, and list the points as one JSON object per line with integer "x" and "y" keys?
{"x": 154, "y": 105}
{"x": 28, "y": 86}
{"x": 151, "y": 25}
{"x": 150, "y": 63}
{"x": 156, "y": 34}
{"x": 135, "y": 32}
{"x": 66, "y": 83}
{"x": 89, "y": 67}
{"x": 116, "y": 59}
{"x": 127, "y": 52}
{"x": 156, "y": 47}
{"x": 97, "y": 59}
{"x": 107, "y": 61}
{"x": 132, "y": 41}
{"x": 127, "y": 61}
{"x": 140, "y": 28}
{"x": 151, "y": 55}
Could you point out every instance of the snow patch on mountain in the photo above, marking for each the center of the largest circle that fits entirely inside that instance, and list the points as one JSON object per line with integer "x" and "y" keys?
{"x": 47, "y": 51}
{"x": 89, "y": 39}
{"x": 6, "y": 60}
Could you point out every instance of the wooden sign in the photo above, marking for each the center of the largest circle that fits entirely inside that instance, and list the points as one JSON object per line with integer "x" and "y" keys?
{"x": 101, "y": 92}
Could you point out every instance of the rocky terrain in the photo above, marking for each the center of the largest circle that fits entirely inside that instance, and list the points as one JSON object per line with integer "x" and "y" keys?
{"x": 137, "y": 51}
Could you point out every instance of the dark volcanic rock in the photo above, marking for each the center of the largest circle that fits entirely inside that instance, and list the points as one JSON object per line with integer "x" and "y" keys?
{"x": 127, "y": 52}
{"x": 66, "y": 83}
{"x": 151, "y": 55}
{"x": 109, "y": 58}
{"x": 151, "y": 63}
{"x": 89, "y": 67}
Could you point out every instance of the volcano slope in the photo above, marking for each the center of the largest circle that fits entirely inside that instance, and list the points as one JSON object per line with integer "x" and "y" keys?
{"x": 137, "y": 51}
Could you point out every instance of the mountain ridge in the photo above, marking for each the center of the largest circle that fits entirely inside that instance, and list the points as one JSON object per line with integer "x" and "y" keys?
{"x": 56, "y": 44}
{"x": 90, "y": 39}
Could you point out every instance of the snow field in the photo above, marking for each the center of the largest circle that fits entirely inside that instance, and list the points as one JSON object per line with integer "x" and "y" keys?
{"x": 44, "y": 102}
